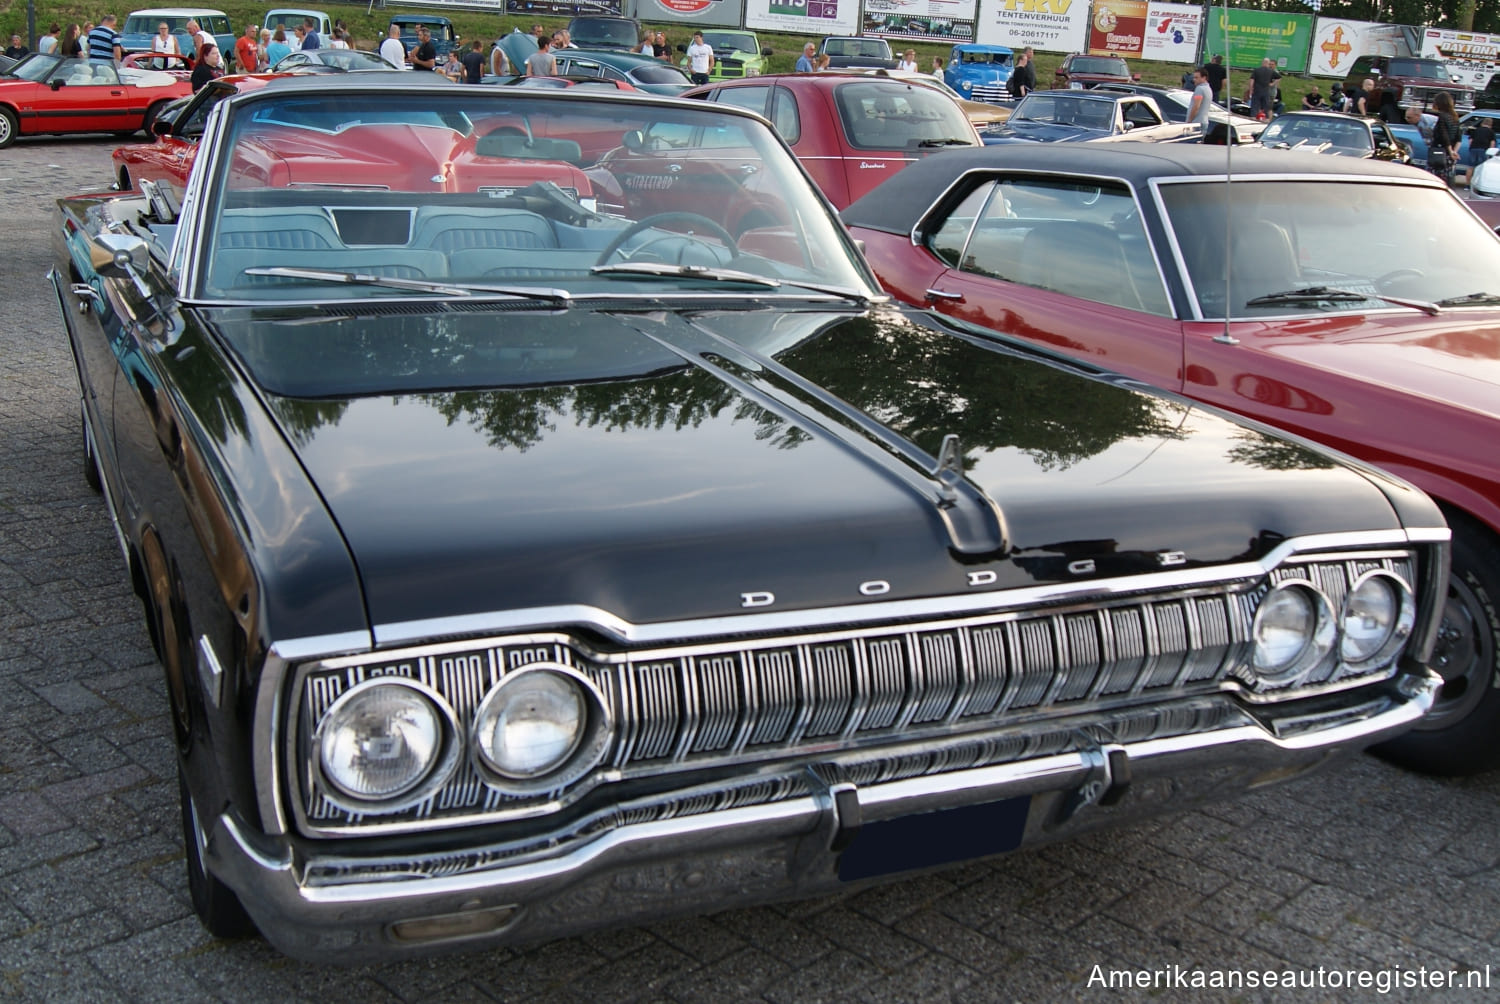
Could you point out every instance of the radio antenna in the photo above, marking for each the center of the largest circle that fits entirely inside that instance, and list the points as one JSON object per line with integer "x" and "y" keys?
{"x": 1225, "y": 338}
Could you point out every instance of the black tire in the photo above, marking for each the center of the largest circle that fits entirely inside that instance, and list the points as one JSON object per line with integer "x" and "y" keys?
{"x": 90, "y": 459}
{"x": 215, "y": 903}
{"x": 8, "y": 127}
{"x": 1461, "y": 735}
{"x": 150, "y": 119}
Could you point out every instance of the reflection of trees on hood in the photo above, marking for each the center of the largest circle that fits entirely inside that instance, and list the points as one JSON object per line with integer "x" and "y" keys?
{"x": 520, "y": 418}
{"x": 926, "y": 384}
{"x": 301, "y": 418}
{"x": 209, "y": 389}
{"x": 1256, "y": 449}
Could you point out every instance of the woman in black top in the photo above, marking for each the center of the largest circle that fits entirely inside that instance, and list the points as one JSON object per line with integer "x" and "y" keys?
{"x": 1443, "y": 149}
{"x": 70, "y": 44}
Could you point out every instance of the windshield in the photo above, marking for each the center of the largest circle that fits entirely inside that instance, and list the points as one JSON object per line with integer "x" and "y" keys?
{"x": 1100, "y": 65}
{"x": 1425, "y": 69}
{"x": 998, "y": 58}
{"x": 1066, "y": 109}
{"x": 886, "y": 114}
{"x": 739, "y": 41}
{"x": 1338, "y": 134}
{"x": 564, "y": 194}
{"x": 588, "y": 32}
{"x": 34, "y": 67}
{"x": 1365, "y": 238}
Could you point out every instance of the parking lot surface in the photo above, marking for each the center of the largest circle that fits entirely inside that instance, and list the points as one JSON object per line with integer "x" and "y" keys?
{"x": 1360, "y": 869}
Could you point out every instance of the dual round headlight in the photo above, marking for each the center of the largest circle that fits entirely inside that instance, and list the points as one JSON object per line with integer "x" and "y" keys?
{"x": 539, "y": 728}
{"x": 1295, "y": 631}
{"x": 387, "y": 742}
{"x": 391, "y": 742}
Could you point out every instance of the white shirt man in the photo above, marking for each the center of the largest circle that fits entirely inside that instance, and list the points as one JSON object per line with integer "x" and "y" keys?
{"x": 700, "y": 59}
{"x": 392, "y": 51}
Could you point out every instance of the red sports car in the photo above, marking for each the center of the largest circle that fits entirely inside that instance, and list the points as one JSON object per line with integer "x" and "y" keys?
{"x": 496, "y": 157}
{"x": 51, "y": 94}
{"x": 1356, "y": 303}
{"x": 850, "y": 132}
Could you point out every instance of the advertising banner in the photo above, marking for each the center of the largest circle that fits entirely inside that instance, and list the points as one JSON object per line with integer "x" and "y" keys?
{"x": 1338, "y": 43}
{"x": 1048, "y": 25}
{"x": 554, "y": 8}
{"x": 804, "y": 17}
{"x": 1471, "y": 55}
{"x": 1139, "y": 29}
{"x": 713, "y": 13}
{"x": 1173, "y": 31}
{"x": 1248, "y": 36}
{"x": 938, "y": 20}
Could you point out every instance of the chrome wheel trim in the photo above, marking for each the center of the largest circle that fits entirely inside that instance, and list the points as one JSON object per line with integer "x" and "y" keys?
{"x": 1462, "y": 657}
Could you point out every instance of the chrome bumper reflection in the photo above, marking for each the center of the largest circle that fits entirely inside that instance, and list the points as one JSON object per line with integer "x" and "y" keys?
{"x": 779, "y": 834}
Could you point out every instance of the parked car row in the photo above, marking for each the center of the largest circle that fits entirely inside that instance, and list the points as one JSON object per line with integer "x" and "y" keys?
{"x": 525, "y": 560}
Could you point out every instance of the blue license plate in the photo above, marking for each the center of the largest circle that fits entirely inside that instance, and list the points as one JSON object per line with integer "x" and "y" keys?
{"x": 935, "y": 838}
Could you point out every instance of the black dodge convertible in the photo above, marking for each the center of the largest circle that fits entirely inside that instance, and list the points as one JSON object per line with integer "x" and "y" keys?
{"x": 544, "y": 522}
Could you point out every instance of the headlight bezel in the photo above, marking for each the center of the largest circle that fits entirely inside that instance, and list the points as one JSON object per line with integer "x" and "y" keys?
{"x": 1318, "y": 647}
{"x": 439, "y": 770}
{"x": 585, "y": 754}
{"x": 1403, "y": 621}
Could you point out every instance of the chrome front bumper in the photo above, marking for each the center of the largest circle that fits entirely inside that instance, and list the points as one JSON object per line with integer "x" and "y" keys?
{"x": 697, "y": 850}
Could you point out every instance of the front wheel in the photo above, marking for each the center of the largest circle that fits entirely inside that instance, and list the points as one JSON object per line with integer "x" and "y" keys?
{"x": 1461, "y": 734}
{"x": 8, "y": 127}
{"x": 215, "y": 903}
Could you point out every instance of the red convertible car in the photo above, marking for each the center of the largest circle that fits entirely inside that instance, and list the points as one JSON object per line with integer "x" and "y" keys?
{"x": 850, "y": 133}
{"x": 44, "y": 94}
{"x": 1355, "y": 303}
{"x": 497, "y": 157}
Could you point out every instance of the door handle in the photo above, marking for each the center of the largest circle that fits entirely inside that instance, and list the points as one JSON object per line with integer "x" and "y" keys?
{"x": 943, "y": 294}
{"x": 86, "y": 294}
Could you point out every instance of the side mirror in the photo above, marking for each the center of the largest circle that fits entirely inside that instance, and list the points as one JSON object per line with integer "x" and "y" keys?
{"x": 119, "y": 256}
{"x": 1127, "y": 125}
{"x": 765, "y": 52}
{"x": 161, "y": 127}
{"x": 681, "y": 47}
{"x": 55, "y": 84}
{"x": 633, "y": 141}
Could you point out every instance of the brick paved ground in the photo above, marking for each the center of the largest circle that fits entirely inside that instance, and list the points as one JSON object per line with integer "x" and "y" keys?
{"x": 1361, "y": 867}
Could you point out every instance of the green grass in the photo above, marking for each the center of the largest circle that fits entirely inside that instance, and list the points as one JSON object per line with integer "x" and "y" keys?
{"x": 369, "y": 29}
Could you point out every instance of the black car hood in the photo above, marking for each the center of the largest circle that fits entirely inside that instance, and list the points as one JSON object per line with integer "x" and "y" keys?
{"x": 661, "y": 465}
{"x": 1046, "y": 132}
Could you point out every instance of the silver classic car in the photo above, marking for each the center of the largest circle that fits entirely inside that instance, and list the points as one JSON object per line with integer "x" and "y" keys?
{"x": 525, "y": 558}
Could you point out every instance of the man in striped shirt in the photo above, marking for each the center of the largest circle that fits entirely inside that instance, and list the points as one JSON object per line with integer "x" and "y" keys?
{"x": 104, "y": 41}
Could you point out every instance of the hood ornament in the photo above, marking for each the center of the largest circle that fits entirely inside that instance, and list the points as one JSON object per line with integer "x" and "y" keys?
{"x": 950, "y": 467}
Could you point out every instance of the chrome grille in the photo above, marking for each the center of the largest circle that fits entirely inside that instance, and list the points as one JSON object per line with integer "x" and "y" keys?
{"x": 989, "y": 92}
{"x": 763, "y": 699}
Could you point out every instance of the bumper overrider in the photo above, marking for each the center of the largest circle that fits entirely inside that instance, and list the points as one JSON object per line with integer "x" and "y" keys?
{"x": 825, "y": 823}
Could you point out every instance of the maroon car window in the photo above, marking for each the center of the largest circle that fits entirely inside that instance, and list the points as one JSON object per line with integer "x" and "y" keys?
{"x": 948, "y": 241}
{"x": 1079, "y": 238}
{"x": 888, "y": 115}
{"x": 751, "y": 98}
{"x": 784, "y": 115}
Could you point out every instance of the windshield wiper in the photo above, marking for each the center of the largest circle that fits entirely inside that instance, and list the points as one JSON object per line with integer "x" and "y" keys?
{"x": 664, "y": 270}
{"x": 651, "y": 268}
{"x": 417, "y": 285}
{"x": 1471, "y": 300}
{"x": 1332, "y": 294}
{"x": 951, "y": 141}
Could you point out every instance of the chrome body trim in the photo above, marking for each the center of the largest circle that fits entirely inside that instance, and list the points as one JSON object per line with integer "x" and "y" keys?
{"x": 617, "y": 628}
{"x": 779, "y": 834}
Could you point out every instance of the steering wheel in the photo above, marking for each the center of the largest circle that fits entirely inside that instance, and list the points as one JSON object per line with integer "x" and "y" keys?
{"x": 1397, "y": 274}
{"x": 677, "y": 216}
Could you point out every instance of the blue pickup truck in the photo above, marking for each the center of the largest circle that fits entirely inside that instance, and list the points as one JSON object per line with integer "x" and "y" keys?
{"x": 980, "y": 72}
